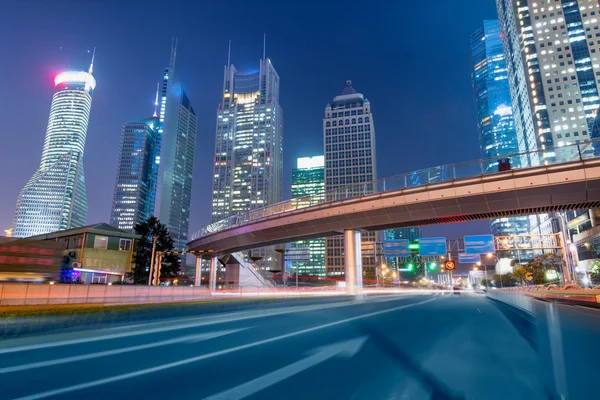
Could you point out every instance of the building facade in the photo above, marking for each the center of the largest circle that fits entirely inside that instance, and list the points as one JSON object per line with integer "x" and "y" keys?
{"x": 248, "y": 167}
{"x": 308, "y": 186}
{"x": 495, "y": 122}
{"x": 552, "y": 50}
{"x": 97, "y": 253}
{"x": 176, "y": 152}
{"x": 135, "y": 183}
{"x": 349, "y": 144}
{"x": 55, "y": 197}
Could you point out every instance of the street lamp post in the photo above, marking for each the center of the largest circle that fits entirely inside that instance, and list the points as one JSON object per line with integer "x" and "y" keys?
{"x": 150, "y": 279}
{"x": 485, "y": 273}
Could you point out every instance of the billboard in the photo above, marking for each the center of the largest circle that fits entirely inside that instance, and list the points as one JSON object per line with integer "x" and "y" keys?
{"x": 480, "y": 244}
{"x": 468, "y": 258}
{"x": 432, "y": 246}
{"x": 396, "y": 248}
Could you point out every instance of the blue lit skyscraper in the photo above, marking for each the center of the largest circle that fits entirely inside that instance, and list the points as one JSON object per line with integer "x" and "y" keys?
{"x": 55, "y": 197}
{"x": 176, "y": 149}
{"x": 135, "y": 184}
{"x": 497, "y": 133}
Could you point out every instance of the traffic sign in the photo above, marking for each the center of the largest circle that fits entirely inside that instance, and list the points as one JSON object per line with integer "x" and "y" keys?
{"x": 450, "y": 265}
{"x": 529, "y": 276}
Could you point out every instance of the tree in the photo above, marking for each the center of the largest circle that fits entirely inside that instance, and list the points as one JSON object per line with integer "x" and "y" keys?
{"x": 505, "y": 280}
{"x": 595, "y": 272}
{"x": 164, "y": 243}
{"x": 520, "y": 274}
{"x": 541, "y": 264}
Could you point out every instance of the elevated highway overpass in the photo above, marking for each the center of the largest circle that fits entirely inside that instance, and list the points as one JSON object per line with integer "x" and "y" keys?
{"x": 448, "y": 194}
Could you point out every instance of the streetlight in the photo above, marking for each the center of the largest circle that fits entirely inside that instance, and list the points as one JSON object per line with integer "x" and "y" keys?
{"x": 479, "y": 263}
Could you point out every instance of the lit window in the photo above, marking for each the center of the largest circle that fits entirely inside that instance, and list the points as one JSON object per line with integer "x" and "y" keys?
{"x": 100, "y": 242}
{"x": 125, "y": 244}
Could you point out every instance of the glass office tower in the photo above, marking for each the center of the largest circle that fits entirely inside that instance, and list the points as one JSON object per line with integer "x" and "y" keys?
{"x": 308, "y": 180}
{"x": 349, "y": 143}
{"x": 55, "y": 197}
{"x": 135, "y": 184}
{"x": 495, "y": 122}
{"x": 552, "y": 50}
{"x": 248, "y": 147}
{"x": 176, "y": 152}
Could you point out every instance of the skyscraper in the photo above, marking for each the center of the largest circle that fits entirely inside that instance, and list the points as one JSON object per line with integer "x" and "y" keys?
{"x": 308, "y": 180}
{"x": 552, "y": 50}
{"x": 249, "y": 142}
{"x": 135, "y": 184}
{"x": 55, "y": 197}
{"x": 249, "y": 145}
{"x": 497, "y": 134}
{"x": 176, "y": 149}
{"x": 349, "y": 143}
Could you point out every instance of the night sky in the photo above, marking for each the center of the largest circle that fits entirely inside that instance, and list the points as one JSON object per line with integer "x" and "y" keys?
{"x": 409, "y": 59}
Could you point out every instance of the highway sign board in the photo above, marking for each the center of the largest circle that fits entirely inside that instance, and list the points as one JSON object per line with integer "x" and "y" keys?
{"x": 298, "y": 254}
{"x": 450, "y": 265}
{"x": 469, "y": 258}
{"x": 396, "y": 248}
{"x": 432, "y": 246}
{"x": 480, "y": 244}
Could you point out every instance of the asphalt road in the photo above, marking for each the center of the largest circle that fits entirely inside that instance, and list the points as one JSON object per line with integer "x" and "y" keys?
{"x": 381, "y": 347}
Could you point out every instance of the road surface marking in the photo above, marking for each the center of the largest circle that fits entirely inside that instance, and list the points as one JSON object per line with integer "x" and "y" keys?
{"x": 479, "y": 311}
{"x": 345, "y": 349}
{"x": 170, "y": 327}
{"x": 163, "y": 367}
{"x": 189, "y": 338}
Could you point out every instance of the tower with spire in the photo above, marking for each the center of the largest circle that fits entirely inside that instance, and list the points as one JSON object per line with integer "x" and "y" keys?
{"x": 350, "y": 165}
{"x": 248, "y": 166}
{"x": 55, "y": 197}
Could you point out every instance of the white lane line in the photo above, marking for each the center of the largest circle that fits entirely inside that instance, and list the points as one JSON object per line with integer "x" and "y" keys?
{"x": 479, "y": 311}
{"x": 188, "y": 338}
{"x": 163, "y": 367}
{"x": 171, "y": 326}
{"x": 346, "y": 349}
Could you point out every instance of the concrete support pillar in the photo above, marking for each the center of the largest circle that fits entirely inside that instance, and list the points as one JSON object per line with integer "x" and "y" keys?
{"x": 212, "y": 275}
{"x": 353, "y": 261}
{"x": 198, "y": 276}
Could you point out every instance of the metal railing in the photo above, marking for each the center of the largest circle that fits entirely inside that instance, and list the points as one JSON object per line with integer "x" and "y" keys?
{"x": 445, "y": 173}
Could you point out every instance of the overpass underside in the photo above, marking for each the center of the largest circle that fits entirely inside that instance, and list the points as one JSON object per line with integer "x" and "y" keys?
{"x": 505, "y": 194}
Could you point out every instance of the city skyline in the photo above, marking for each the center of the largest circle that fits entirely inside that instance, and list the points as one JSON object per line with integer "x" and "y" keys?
{"x": 296, "y": 144}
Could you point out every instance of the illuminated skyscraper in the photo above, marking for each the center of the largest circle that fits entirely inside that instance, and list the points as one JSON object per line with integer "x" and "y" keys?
{"x": 55, "y": 197}
{"x": 552, "y": 50}
{"x": 135, "y": 184}
{"x": 249, "y": 145}
{"x": 349, "y": 141}
{"x": 249, "y": 142}
{"x": 176, "y": 149}
{"x": 497, "y": 134}
{"x": 308, "y": 179}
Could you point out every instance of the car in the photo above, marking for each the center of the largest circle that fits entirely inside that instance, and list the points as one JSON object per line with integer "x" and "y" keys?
{"x": 457, "y": 290}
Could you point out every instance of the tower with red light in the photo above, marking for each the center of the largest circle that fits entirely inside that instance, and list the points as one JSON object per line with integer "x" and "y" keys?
{"x": 55, "y": 197}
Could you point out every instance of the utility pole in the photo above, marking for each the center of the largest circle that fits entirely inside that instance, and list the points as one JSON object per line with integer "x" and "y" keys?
{"x": 152, "y": 260}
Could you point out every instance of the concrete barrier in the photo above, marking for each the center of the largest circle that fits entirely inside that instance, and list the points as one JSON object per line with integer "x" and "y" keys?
{"x": 35, "y": 294}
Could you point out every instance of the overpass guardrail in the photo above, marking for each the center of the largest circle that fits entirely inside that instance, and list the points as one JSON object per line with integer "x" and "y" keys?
{"x": 445, "y": 173}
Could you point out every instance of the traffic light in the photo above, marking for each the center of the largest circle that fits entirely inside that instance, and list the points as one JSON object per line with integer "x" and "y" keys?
{"x": 413, "y": 246}
{"x": 432, "y": 266}
{"x": 410, "y": 267}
